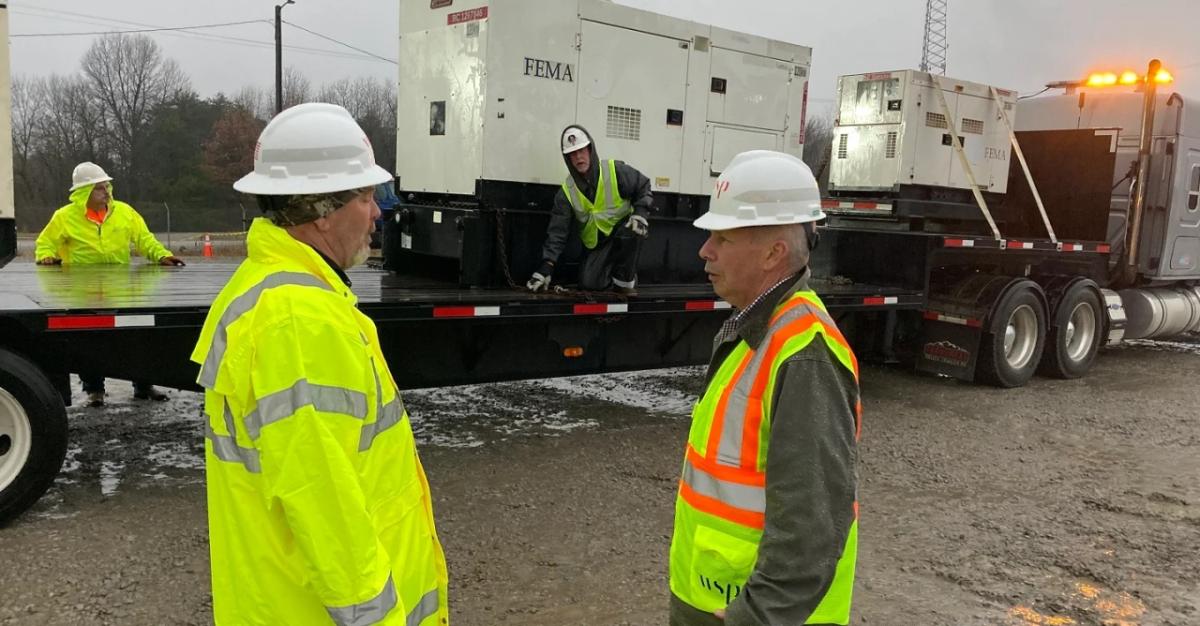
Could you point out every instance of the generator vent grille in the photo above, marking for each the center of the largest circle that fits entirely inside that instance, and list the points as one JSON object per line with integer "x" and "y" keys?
{"x": 935, "y": 120}
{"x": 843, "y": 142}
{"x": 624, "y": 123}
{"x": 975, "y": 127}
{"x": 891, "y": 145}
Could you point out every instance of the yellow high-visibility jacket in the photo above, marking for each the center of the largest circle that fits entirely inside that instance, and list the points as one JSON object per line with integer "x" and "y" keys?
{"x": 319, "y": 510}
{"x": 72, "y": 237}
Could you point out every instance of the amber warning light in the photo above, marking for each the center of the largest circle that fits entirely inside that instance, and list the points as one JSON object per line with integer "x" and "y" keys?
{"x": 1128, "y": 77}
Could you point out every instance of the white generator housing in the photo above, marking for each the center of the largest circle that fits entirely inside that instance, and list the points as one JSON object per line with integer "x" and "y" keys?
{"x": 487, "y": 86}
{"x": 891, "y": 131}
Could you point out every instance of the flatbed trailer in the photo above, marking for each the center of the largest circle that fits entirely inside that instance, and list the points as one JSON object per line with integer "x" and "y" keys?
{"x": 141, "y": 323}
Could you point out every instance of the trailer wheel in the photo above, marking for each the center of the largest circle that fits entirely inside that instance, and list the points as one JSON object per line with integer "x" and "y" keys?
{"x": 33, "y": 434}
{"x": 1075, "y": 336}
{"x": 1009, "y": 357}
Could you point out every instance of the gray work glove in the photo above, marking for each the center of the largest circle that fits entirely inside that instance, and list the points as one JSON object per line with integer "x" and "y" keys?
{"x": 639, "y": 225}
{"x": 540, "y": 281}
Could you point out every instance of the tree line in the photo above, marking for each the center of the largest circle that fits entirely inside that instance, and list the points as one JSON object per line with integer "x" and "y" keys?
{"x": 133, "y": 111}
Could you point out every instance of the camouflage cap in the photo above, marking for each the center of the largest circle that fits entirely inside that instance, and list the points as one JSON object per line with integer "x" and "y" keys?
{"x": 305, "y": 208}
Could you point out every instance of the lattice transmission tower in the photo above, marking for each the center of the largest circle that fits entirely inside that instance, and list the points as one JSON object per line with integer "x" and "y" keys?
{"x": 933, "y": 50}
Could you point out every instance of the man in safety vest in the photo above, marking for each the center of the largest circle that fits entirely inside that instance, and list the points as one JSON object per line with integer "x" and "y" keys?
{"x": 766, "y": 517}
{"x": 97, "y": 229}
{"x": 609, "y": 203}
{"x": 318, "y": 507}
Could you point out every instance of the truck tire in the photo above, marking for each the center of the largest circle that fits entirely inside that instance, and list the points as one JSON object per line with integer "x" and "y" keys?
{"x": 1009, "y": 356}
{"x": 33, "y": 434}
{"x": 1075, "y": 337}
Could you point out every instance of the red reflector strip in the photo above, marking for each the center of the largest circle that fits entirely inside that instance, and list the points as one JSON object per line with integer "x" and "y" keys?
{"x": 1072, "y": 247}
{"x": 64, "y": 322}
{"x": 1020, "y": 245}
{"x": 1103, "y": 248}
{"x": 74, "y": 322}
{"x": 466, "y": 311}
{"x": 857, "y": 206}
{"x": 880, "y": 300}
{"x": 961, "y": 321}
{"x": 600, "y": 309}
{"x": 706, "y": 305}
{"x": 958, "y": 243}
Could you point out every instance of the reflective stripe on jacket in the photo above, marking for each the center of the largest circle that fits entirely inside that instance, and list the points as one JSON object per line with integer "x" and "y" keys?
{"x": 601, "y": 213}
{"x": 319, "y": 510}
{"x": 722, "y": 504}
{"x": 75, "y": 239}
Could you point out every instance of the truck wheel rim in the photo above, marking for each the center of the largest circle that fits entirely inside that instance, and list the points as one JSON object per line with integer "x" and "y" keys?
{"x": 1020, "y": 337}
{"x": 15, "y": 438}
{"x": 1081, "y": 331}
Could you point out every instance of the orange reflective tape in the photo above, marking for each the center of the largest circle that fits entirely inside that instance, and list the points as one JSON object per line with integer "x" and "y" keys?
{"x": 858, "y": 419}
{"x": 718, "y": 423}
{"x": 716, "y": 508}
{"x": 792, "y": 303}
{"x": 726, "y": 473}
{"x": 856, "y": 509}
{"x": 754, "y": 412}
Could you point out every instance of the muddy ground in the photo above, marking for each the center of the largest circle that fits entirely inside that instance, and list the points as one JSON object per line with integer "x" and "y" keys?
{"x": 1065, "y": 502}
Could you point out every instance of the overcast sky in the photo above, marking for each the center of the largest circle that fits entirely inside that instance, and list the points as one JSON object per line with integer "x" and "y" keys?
{"x": 1017, "y": 44}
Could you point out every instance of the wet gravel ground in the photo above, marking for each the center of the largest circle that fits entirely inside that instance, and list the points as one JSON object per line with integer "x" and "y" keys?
{"x": 1065, "y": 502}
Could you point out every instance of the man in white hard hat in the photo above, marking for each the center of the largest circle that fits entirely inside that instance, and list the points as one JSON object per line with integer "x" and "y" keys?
{"x": 766, "y": 517}
{"x": 93, "y": 229}
{"x": 605, "y": 206}
{"x": 318, "y": 508}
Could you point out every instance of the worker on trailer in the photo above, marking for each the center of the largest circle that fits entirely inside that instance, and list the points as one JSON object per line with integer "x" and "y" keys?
{"x": 318, "y": 507}
{"x": 93, "y": 229}
{"x": 609, "y": 203}
{"x": 766, "y": 517}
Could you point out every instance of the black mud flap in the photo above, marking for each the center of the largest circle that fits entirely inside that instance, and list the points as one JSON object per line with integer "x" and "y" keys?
{"x": 948, "y": 349}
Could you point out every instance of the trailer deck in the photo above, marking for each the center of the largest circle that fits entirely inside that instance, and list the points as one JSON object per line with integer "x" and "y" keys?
{"x": 435, "y": 333}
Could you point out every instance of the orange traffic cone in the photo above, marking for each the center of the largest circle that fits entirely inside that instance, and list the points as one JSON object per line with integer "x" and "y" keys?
{"x": 207, "y": 245}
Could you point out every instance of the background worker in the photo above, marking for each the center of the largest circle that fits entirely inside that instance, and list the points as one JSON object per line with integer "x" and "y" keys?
{"x": 94, "y": 229}
{"x": 606, "y": 206}
{"x": 766, "y": 517}
{"x": 318, "y": 506}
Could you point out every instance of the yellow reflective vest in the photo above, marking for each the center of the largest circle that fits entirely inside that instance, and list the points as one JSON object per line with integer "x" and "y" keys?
{"x": 602, "y": 213}
{"x": 721, "y": 506}
{"x": 319, "y": 510}
{"x": 75, "y": 239}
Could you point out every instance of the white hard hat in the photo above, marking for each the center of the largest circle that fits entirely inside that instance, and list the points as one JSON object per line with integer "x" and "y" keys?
{"x": 88, "y": 173}
{"x": 574, "y": 138}
{"x": 312, "y": 148}
{"x": 762, "y": 188}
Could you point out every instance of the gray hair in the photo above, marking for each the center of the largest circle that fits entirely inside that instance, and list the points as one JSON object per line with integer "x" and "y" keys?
{"x": 794, "y": 236}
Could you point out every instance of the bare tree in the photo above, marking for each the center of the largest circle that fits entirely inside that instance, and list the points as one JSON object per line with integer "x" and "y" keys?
{"x": 818, "y": 140}
{"x": 71, "y": 130}
{"x": 129, "y": 77}
{"x": 28, "y": 111}
{"x": 296, "y": 87}
{"x": 255, "y": 101}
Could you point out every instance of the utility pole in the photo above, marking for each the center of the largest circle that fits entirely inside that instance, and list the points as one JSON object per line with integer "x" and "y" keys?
{"x": 934, "y": 47}
{"x": 279, "y": 55}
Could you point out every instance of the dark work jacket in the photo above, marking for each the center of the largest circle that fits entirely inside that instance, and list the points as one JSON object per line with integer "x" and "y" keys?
{"x": 811, "y": 478}
{"x": 632, "y": 184}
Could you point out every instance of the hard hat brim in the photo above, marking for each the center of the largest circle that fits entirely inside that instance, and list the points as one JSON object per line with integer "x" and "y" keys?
{"x": 715, "y": 221}
{"x": 577, "y": 148}
{"x": 106, "y": 179}
{"x": 263, "y": 185}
